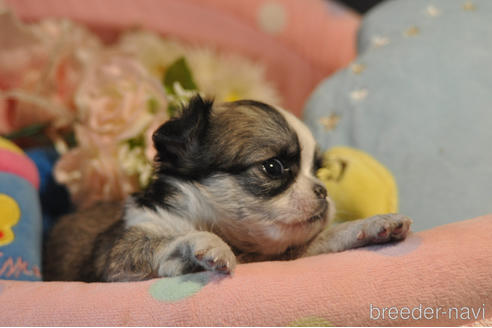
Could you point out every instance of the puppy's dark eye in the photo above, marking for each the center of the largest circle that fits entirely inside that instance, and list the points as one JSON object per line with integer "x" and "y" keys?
{"x": 274, "y": 168}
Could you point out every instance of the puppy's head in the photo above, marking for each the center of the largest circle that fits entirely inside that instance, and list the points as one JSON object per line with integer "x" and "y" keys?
{"x": 249, "y": 172}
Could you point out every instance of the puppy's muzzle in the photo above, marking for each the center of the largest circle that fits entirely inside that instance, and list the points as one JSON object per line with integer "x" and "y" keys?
{"x": 320, "y": 213}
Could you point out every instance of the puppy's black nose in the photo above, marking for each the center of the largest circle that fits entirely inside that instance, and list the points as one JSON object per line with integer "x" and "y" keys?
{"x": 320, "y": 191}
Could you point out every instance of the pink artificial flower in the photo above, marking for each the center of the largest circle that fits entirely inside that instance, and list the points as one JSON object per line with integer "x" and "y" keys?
{"x": 119, "y": 104}
{"x": 21, "y": 61}
{"x": 92, "y": 172}
{"x": 118, "y": 98}
{"x": 40, "y": 67}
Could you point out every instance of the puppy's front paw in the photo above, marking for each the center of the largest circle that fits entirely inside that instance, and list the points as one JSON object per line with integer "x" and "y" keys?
{"x": 383, "y": 228}
{"x": 212, "y": 253}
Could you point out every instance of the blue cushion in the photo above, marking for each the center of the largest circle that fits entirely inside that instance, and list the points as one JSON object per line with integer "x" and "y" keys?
{"x": 418, "y": 98}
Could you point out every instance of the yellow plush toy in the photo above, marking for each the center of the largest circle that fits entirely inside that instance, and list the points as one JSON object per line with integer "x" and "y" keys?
{"x": 359, "y": 185}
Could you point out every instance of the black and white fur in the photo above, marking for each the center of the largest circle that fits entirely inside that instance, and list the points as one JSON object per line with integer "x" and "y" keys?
{"x": 233, "y": 183}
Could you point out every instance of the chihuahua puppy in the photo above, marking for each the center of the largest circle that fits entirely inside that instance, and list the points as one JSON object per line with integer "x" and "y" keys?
{"x": 233, "y": 182}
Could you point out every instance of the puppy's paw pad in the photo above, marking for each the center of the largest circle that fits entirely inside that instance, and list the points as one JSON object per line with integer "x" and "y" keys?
{"x": 384, "y": 232}
{"x": 382, "y": 228}
{"x": 218, "y": 259}
{"x": 211, "y": 253}
{"x": 401, "y": 227}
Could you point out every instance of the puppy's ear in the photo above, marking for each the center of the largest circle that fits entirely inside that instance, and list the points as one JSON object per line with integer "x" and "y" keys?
{"x": 178, "y": 140}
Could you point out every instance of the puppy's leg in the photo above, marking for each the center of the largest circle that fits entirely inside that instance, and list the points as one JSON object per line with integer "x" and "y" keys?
{"x": 199, "y": 248}
{"x": 136, "y": 254}
{"x": 373, "y": 230}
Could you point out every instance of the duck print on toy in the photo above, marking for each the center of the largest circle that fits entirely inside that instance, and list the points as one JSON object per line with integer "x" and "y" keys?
{"x": 20, "y": 215}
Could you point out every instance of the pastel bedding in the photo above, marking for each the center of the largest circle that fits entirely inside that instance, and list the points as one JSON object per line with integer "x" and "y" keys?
{"x": 447, "y": 267}
{"x": 440, "y": 276}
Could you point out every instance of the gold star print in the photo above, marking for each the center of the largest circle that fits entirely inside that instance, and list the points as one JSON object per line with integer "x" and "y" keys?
{"x": 469, "y": 6}
{"x": 358, "y": 68}
{"x": 380, "y": 41}
{"x": 432, "y": 11}
{"x": 359, "y": 95}
{"x": 412, "y": 31}
{"x": 330, "y": 122}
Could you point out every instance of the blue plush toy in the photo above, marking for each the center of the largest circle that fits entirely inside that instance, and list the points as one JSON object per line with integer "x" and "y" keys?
{"x": 20, "y": 215}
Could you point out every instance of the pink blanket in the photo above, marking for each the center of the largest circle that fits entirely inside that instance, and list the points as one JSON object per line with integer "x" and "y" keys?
{"x": 299, "y": 42}
{"x": 436, "y": 277}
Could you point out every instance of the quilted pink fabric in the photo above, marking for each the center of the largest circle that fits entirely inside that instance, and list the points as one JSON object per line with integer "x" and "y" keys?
{"x": 300, "y": 42}
{"x": 446, "y": 268}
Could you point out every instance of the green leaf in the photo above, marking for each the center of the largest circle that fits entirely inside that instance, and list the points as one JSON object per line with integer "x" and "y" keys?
{"x": 138, "y": 141}
{"x": 70, "y": 139}
{"x": 173, "y": 109}
{"x": 28, "y": 131}
{"x": 180, "y": 72}
{"x": 152, "y": 106}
